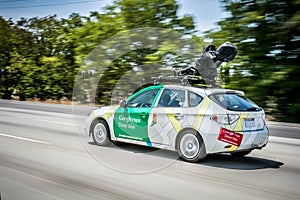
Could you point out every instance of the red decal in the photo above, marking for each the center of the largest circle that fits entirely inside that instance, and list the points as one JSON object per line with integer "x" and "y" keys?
{"x": 230, "y": 137}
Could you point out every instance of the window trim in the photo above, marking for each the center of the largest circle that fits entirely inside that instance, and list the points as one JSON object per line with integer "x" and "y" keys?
{"x": 143, "y": 92}
{"x": 189, "y": 92}
{"x": 170, "y": 88}
{"x": 214, "y": 99}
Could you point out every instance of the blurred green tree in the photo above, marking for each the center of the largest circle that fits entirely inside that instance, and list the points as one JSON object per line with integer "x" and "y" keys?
{"x": 124, "y": 16}
{"x": 267, "y": 34}
{"x": 6, "y": 48}
{"x": 16, "y": 46}
{"x": 38, "y": 57}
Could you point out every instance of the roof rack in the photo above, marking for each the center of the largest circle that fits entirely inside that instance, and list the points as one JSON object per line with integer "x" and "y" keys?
{"x": 191, "y": 80}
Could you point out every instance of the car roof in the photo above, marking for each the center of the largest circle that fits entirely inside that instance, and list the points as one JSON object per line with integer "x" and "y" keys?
{"x": 206, "y": 90}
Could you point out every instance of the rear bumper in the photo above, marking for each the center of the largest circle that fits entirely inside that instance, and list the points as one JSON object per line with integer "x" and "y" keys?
{"x": 255, "y": 139}
{"x": 251, "y": 140}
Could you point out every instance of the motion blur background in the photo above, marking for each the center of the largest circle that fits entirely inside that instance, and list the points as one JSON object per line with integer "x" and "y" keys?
{"x": 43, "y": 44}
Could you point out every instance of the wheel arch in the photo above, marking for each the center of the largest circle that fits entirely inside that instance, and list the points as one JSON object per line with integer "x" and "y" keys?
{"x": 182, "y": 131}
{"x": 96, "y": 120}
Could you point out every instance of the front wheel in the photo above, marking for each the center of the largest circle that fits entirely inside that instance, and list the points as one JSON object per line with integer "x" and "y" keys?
{"x": 100, "y": 133}
{"x": 190, "y": 146}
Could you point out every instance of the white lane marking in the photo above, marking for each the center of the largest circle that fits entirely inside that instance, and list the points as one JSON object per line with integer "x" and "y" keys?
{"x": 284, "y": 140}
{"x": 55, "y": 122}
{"x": 283, "y": 126}
{"x": 24, "y": 139}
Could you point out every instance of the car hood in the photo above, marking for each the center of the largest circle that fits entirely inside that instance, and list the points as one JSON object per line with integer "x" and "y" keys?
{"x": 99, "y": 112}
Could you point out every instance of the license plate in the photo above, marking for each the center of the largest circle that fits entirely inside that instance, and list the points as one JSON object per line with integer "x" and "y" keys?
{"x": 249, "y": 123}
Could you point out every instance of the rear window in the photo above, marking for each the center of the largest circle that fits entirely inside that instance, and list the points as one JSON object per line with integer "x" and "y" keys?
{"x": 234, "y": 102}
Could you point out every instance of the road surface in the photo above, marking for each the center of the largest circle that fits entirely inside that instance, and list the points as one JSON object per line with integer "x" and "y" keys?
{"x": 44, "y": 154}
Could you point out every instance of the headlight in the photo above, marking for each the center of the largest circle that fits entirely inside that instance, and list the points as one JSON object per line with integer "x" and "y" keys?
{"x": 263, "y": 115}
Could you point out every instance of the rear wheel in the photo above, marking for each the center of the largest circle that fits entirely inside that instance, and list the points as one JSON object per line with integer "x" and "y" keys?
{"x": 100, "y": 132}
{"x": 240, "y": 154}
{"x": 190, "y": 146}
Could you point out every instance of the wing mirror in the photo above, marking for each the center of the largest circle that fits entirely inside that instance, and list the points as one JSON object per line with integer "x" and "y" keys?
{"x": 123, "y": 103}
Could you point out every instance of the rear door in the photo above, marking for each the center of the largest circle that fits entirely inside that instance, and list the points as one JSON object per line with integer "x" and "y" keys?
{"x": 168, "y": 116}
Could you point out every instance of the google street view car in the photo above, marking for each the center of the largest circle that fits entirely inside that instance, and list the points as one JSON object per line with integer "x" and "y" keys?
{"x": 190, "y": 119}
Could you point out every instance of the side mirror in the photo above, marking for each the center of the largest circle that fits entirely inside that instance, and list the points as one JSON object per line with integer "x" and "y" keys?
{"x": 123, "y": 103}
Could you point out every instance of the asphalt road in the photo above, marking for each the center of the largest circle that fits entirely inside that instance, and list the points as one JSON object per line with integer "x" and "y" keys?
{"x": 44, "y": 154}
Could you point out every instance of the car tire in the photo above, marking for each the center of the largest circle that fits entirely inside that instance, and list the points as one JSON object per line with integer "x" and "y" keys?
{"x": 190, "y": 146}
{"x": 100, "y": 132}
{"x": 117, "y": 143}
{"x": 240, "y": 154}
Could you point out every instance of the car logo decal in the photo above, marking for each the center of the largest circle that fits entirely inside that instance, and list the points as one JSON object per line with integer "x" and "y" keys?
{"x": 154, "y": 121}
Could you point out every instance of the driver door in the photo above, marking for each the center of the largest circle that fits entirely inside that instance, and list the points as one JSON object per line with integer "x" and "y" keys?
{"x": 131, "y": 121}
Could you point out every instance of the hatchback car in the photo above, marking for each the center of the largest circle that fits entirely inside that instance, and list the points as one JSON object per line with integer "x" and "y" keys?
{"x": 193, "y": 121}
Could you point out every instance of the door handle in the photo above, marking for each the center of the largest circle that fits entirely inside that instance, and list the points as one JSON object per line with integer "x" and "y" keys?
{"x": 178, "y": 116}
{"x": 143, "y": 116}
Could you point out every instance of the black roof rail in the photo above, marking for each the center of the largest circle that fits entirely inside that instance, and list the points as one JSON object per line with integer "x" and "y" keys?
{"x": 191, "y": 80}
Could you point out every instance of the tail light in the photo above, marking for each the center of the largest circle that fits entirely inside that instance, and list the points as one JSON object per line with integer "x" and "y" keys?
{"x": 225, "y": 118}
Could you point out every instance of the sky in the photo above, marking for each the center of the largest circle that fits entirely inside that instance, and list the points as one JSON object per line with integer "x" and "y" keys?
{"x": 205, "y": 12}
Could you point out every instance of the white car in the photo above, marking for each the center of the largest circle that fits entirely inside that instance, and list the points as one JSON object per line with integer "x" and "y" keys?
{"x": 193, "y": 121}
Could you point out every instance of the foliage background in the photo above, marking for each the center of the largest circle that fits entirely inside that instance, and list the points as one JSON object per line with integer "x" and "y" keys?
{"x": 40, "y": 57}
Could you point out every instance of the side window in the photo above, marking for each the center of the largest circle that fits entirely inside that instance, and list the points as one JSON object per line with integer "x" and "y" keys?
{"x": 172, "y": 98}
{"x": 194, "y": 99}
{"x": 144, "y": 99}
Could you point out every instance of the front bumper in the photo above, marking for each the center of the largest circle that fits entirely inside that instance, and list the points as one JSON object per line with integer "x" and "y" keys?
{"x": 88, "y": 123}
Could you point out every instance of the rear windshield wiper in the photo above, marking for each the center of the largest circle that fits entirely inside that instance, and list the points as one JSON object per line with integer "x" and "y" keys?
{"x": 253, "y": 109}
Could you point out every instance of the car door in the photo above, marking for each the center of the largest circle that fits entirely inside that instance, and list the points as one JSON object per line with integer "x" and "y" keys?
{"x": 131, "y": 120}
{"x": 167, "y": 117}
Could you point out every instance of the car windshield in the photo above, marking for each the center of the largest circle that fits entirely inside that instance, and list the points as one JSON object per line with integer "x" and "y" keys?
{"x": 234, "y": 102}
